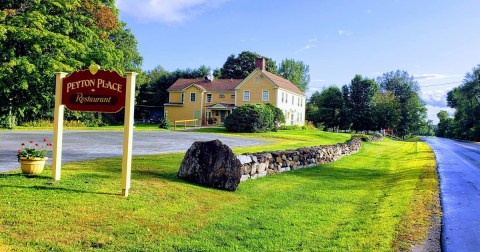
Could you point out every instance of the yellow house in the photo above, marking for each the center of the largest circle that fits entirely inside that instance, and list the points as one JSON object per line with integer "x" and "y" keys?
{"x": 212, "y": 100}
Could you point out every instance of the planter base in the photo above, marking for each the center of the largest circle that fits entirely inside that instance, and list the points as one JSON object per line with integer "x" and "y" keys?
{"x": 32, "y": 166}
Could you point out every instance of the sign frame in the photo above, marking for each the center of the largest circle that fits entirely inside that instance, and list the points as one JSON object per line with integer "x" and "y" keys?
{"x": 128, "y": 126}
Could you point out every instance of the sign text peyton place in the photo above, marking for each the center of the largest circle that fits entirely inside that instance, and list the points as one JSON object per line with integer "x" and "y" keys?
{"x": 94, "y": 91}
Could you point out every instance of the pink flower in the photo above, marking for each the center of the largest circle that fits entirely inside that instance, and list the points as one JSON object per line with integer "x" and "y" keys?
{"x": 45, "y": 140}
{"x": 31, "y": 141}
{"x": 36, "y": 144}
{"x": 19, "y": 151}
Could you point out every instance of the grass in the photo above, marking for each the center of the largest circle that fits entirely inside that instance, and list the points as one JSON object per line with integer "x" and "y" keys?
{"x": 379, "y": 199}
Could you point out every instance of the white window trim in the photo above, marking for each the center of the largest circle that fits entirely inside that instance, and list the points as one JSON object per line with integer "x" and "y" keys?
{"x": 268, "y": 95}
{"x": 194, "y": 95}
{"x": 211, "y": 97}
{"x": 244, "y": 95}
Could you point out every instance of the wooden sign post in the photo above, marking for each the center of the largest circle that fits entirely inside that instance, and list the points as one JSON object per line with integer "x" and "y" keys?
{"x": 95, "y": 90}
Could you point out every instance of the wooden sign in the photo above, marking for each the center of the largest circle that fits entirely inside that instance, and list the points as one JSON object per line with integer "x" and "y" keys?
{"x": 94, "y": 90}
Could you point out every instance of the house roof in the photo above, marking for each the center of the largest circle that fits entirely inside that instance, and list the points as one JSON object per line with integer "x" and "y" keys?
{"x": 283, "y": 83}
{"x": 221, "y": 105}
{"x": 216, "y": 85}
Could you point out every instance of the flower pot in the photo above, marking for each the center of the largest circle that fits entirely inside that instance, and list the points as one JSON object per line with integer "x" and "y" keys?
{"x": 32, "y": 165}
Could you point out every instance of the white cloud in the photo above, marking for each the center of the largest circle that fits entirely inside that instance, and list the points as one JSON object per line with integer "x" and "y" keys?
{"x": 166, "y": 11}
{"x": 424, "y": 77}
{"x": 311, "y": 43}
{"x": 344, "y": 33}
{"x": 435, "y": 98}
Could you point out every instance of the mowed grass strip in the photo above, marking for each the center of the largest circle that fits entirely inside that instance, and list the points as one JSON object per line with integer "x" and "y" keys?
{"x": 358, "y": 203}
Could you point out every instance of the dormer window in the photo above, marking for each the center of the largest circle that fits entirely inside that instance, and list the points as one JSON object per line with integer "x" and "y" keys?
{"x": 193, "y": 97}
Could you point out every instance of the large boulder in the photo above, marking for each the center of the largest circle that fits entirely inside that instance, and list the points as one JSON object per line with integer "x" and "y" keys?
{"x": 212, "y": 164}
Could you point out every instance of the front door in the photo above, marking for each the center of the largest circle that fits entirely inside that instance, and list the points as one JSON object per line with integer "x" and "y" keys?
{"x": 223, "y": 114}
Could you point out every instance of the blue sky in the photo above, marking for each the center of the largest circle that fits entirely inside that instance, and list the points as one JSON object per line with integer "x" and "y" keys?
{"x": 436, "y": 41}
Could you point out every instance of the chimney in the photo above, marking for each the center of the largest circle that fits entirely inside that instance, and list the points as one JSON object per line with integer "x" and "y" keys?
{"x": 260, "y": 63}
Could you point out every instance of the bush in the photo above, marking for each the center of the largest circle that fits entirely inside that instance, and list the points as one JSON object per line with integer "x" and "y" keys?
{"x": 251, "y": 118}
{"x": 309, "y": 126}
{"x": 164, "y": 123}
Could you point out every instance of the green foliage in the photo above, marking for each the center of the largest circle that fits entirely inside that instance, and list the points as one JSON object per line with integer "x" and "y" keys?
{"x": 153, "y": 91}
{"x": 251, "y": 118}
{"x": 325, "y": 107}
{"x": 386, "y": 110}
{"x": 412, "y": 109}
{"x": 39, "y": 38}
{"x": 466, "y": 124}
{"x": 33, "y": 150}
{"x": 296, "y": 72}
{"x": 362, "y": 91}
{"x": 164, "y": 123}
{"x": 241, "y": 66}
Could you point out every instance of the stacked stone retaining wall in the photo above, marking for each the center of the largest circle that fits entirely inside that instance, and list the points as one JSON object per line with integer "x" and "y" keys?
{"x": 260, "y": 164}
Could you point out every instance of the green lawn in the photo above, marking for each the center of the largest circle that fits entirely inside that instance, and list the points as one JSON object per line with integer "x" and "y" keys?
{"x": 376, "y": 200}
{"x": 138, "y": 127}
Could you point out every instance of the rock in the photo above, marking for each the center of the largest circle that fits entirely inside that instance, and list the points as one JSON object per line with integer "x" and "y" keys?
{"x": 254, "y": 169}
{"x": 244, "y": 159}
{"x": 261, "y": 167}
{"x": 262, "y": 174}
{"x": 244, "y": 177}
{"x": 212, "y": 164}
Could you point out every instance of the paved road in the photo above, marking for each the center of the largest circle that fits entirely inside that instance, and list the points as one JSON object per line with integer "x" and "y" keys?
{"x": 84, "y": 145}
{"x": 459, "y": 170}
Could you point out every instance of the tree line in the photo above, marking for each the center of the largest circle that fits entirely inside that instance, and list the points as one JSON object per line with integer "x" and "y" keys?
{"x": 392, "y": 101}
{"x": 465, "y": 99}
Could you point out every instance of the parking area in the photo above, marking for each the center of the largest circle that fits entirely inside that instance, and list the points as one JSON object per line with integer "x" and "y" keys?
{"x": 86, "y": 145}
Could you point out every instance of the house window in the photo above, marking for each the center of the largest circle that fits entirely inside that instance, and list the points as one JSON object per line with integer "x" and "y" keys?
{"x": 293, "y": 100}
{"x": 256, "y": 79}
{"x": 286, "y": 98}
{"x": 221, "y": 95}
{"x": 209, "y": 97}
{"x": 283, "y": 96}
{"x": 216, "y": 113}
{"x": 208, "y": 114}
{"x": 193, "y": 97}
{"x": 265, "y": 95}
{"x": 232, "y": 96}
{"x": 183, "y": 96}
{"x": 246, "y": 95}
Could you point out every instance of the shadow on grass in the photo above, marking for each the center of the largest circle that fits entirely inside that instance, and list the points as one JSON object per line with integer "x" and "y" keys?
{"x": 29, "y": 176}
{"x": 53, "y": 188}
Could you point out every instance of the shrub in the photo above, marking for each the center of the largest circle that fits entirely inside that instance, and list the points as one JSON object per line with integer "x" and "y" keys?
{"x": 309, "y": 126}
{"x": 164, "y": 123}
{"x": 251, "y": 118}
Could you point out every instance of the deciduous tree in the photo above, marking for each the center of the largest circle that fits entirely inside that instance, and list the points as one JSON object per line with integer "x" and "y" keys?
{"x": 296, "y": 72}
{"x": 39, "y": 38}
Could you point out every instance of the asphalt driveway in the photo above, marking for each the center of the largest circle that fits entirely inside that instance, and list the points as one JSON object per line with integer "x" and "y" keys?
{"x": 459, "y": 170}
{"x": 85, "y": 145}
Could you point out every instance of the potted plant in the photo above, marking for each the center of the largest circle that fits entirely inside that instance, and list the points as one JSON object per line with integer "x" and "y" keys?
{"x": 32, "y": 158}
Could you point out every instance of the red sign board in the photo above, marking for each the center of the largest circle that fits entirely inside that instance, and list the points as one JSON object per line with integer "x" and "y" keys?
{"x": 94, "y": 91}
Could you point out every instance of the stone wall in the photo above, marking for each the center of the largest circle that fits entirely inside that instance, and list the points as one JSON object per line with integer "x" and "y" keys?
{"x": 256, "y": 165}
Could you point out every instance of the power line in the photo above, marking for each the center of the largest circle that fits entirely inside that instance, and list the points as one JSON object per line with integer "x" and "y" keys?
{"x": 442, "y": 84}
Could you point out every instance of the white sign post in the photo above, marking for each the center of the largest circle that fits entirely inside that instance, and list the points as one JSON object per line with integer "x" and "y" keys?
{"x": 110, "y": 99}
